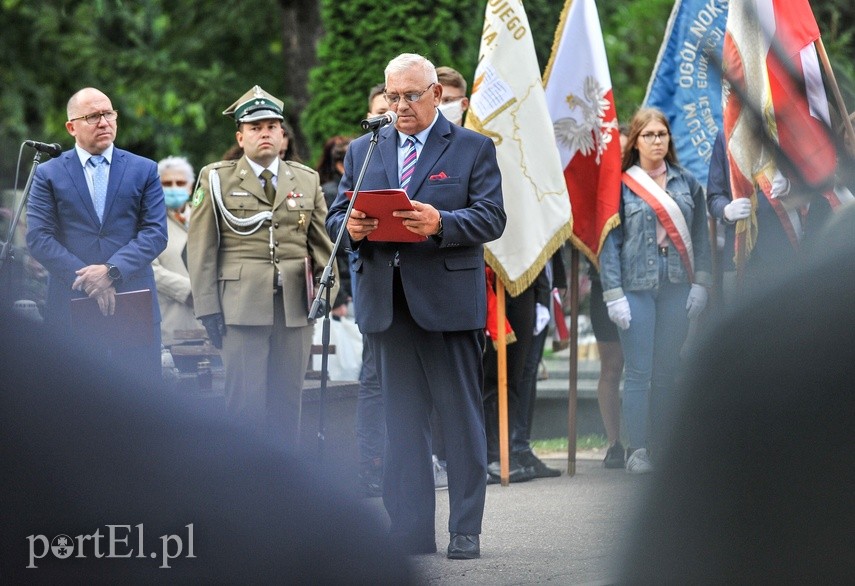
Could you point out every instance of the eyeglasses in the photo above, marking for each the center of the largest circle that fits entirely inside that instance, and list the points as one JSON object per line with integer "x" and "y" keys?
{"x": 650, "y": 137}
{"x": 93, "y": 119}
{"x": 410, "y": 97}
{"x": 178, "y": 183}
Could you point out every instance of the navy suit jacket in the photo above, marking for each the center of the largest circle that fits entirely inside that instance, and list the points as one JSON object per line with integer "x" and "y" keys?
{"x": 443, "y": 278}
{"x": 65, "y": 235}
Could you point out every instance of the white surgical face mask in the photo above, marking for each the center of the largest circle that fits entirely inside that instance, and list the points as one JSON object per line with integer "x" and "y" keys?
{"x": 453, "y": 111}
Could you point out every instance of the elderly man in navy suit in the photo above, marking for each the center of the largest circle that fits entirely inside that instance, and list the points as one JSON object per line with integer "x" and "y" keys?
{"x": 96, "y": 221}
{"x": 422, "y": 305}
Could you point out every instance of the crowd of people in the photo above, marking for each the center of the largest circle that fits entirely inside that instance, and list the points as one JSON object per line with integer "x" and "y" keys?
{"x": 235, "y": 252}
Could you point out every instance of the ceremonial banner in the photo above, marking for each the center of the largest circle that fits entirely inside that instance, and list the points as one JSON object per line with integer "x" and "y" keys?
{"x": 686, "y": 82}
{"x": 784, "y": 86}
{"x": 508, "y": 105}
{"x": 582, "y": 109}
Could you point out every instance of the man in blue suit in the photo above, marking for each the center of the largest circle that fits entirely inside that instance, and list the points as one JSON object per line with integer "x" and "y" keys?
{"x": 422, "y": 305}
{"x": 97, "y": 220}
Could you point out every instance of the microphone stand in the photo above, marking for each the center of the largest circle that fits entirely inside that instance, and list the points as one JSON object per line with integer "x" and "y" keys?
{"x": 326, "y": 282}
{"x": 6, "y": 248}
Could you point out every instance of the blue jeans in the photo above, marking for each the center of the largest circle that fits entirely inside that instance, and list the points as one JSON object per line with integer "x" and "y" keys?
{"x": 651, "y": 349}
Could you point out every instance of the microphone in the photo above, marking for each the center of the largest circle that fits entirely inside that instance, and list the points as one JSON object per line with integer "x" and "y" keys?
{"x": 54, "y": 150}
{"x": 380, "y": 121}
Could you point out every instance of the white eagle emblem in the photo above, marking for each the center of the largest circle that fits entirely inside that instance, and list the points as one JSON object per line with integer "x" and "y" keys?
{"x": 592, "y": 133}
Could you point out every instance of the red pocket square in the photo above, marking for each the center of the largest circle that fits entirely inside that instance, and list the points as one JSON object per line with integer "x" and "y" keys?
{"x": 440, "y": 175}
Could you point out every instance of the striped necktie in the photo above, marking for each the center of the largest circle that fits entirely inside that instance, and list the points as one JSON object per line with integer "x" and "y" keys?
{"x": 99, "y": 180}
{"x": 409, "y": 163}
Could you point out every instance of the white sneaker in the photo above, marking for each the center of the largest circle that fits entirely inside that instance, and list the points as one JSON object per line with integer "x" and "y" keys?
{"x": 639, "y": 462}
{"x": 440, "y": 475}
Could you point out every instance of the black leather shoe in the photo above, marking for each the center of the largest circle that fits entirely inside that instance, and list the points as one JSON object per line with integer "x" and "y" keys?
{"x": 516, "y": 472}
{"x": 540, "y": 470}
{"x": 464, "y": 547}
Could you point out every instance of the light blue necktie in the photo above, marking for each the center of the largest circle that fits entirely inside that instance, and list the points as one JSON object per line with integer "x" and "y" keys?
{"x": 99, "y": 176}
{"x": 409, "y": 164}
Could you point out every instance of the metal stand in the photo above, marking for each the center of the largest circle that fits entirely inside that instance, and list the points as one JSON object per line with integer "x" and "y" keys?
{"x": 326, "y": 282}
{"x": 6, "y": 249}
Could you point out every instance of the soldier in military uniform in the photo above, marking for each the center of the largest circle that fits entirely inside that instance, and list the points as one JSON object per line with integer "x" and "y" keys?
{"x": 255, "y": 222}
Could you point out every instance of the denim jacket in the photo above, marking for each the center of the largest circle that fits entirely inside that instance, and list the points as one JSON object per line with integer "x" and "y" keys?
{"x": 629, "y": 258}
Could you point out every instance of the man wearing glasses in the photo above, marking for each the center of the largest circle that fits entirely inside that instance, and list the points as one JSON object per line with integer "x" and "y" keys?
{"x": 96, "y": 221}
{"x": 423, "y": 304}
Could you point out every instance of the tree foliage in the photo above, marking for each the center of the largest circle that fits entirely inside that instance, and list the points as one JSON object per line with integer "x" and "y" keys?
{"x": 172, "y": 67}
{"x": 360, "y": 38}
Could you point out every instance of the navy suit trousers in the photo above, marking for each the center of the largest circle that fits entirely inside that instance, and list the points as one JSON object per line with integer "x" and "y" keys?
{"x": 419, "y": 370}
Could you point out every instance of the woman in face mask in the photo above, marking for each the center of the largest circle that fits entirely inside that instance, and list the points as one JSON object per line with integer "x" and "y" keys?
{"x": 170, "y": 268}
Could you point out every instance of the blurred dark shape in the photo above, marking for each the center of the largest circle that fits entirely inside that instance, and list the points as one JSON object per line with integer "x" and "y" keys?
{"x": 755, "y": 484}
{"x": 83, "y": 447}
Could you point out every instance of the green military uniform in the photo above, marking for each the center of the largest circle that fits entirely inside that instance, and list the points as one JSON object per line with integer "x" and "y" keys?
{"x": 246, "y": 258}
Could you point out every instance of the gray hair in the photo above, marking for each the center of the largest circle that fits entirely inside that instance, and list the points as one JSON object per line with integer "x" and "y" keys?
{"x": 406, "y": 61}
{"x": 179, "y": 164}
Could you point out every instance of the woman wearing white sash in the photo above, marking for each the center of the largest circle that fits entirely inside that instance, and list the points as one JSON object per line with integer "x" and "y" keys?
{"x": 655, "y": 269}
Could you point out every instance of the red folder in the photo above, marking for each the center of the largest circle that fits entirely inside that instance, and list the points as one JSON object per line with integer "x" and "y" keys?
{"x": 130, "y": 326}
{"x": 380, "y": 203}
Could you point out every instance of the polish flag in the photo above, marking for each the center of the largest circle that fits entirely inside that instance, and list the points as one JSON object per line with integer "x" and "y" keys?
{"x": 582, "y": 109}
{"x": 769, "y": 52}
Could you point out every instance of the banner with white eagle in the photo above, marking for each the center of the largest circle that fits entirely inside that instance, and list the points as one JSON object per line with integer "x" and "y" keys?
{"x": 582, "y": 108}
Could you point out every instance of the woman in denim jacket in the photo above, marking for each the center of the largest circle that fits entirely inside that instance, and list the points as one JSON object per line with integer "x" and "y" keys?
{"x": 654, "y": 278}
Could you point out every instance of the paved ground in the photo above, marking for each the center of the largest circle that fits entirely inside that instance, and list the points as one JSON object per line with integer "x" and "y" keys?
{"x": 565, "y": 530}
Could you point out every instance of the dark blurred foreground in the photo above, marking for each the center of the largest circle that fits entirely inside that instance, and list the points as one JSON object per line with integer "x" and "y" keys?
{"x": 755, "y": 484}
{"x": 148, "y": 489}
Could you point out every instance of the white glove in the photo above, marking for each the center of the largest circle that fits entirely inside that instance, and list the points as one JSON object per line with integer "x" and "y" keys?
{"x": 780, "y": 185}
{"x": 738, "y": 209}
{"x": 541, "y": 318}
{"x": 619, "y": 312}
{"x": 697, "y": 300}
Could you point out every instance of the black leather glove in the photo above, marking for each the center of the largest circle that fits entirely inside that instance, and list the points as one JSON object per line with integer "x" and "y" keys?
{"x": 215, "y": 325}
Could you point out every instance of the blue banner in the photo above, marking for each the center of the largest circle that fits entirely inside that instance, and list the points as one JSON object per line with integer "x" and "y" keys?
{"x": 686, "y": 81}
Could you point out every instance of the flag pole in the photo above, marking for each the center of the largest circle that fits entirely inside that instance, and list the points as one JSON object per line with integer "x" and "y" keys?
{"x": 502, "y": 362}
{"x": 574, "y": 361}
{"x": 838, "y": 97}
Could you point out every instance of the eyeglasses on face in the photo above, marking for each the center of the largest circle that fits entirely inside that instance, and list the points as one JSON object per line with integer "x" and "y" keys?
{"x": 179, "y": 183}
{"x": 410, "y": 97}
{"x": 650, "y": 137}
{"x": 95, "y": 118}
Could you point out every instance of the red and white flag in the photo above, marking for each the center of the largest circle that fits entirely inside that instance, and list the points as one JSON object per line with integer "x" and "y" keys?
{"x": 784, "y": 85}
{"x": 582, "y": 109}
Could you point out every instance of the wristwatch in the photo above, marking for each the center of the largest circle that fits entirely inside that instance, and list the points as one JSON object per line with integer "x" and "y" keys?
{"x": 113, "y": 272}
